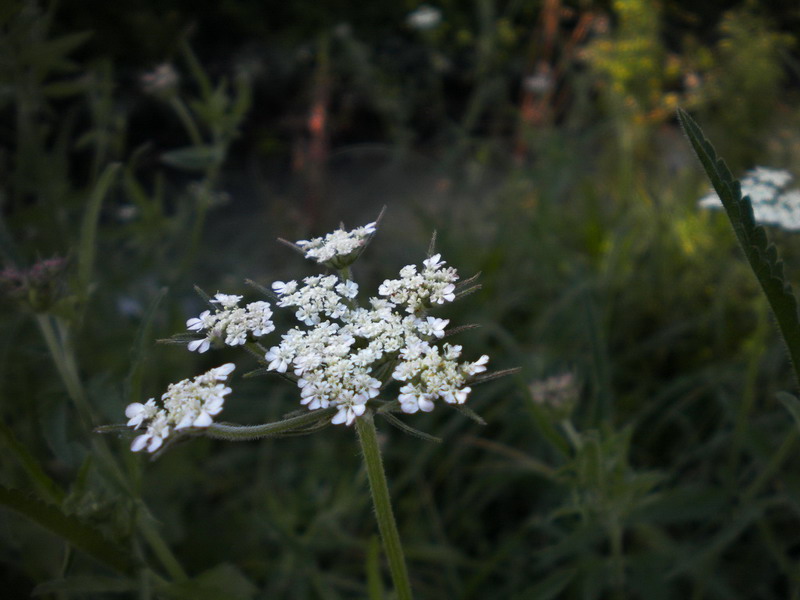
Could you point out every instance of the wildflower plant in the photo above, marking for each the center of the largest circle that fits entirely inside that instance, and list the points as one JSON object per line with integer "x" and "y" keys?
{"x": 760, "y": 253}
{"x": 772, "y": 203}
{"x": 350, "y": 359}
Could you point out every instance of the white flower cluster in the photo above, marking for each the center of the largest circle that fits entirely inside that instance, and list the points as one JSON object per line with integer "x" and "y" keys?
{"x": 188, "y": 403}
{"x": 230, "y": 322}
{"x": 772, "y": 204}
{"x": 434, "y": 285}
{"x": 321, "y": 296}
{"x": 337, "y": 359}
{"x": 339, "y": 248}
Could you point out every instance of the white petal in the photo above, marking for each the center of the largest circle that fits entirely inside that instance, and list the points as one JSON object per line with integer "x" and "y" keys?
{"x": 140, "y": 442}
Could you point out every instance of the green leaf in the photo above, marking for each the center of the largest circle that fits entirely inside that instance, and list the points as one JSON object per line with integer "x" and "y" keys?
{"x": 469, "y": 413}
{"x": 82, "y": 536}
{"x": 85, "y": 585}
{"x": 762, "y": 256}
{"x": 194, "y": 158}
{"x": 392, "y": 420}
{"x": 44, "y": 484}
{"x": 88, "y": 241}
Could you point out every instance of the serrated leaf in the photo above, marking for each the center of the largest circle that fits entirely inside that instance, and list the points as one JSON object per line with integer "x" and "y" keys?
{"x": 194, "y": 158}
{"x": 79, "y": 534}
{"x": 762, "y": 256}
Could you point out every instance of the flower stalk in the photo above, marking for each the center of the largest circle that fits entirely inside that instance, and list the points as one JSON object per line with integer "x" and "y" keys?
{"x": 367, "y": 437}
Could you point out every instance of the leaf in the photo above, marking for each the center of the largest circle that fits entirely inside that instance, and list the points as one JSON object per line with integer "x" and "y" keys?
{"x": 469, "y": 413}
{"x": 194, "y": 158}
{"x": 81, "y": 535}
{"x": 44, "y": 484}
{"x": 392, "y": 420}
{"x": 762, "y": 256}
{"x": 88, "y": 242}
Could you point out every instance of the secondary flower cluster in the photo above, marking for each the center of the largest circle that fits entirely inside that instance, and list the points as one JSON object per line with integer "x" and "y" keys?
{"x": 188, "y": 403}
{"x": 341, "y": 355}
{"x": 772, "y": 203}
{"x": 230, "y": 323}
{"x": 339, "y": 248}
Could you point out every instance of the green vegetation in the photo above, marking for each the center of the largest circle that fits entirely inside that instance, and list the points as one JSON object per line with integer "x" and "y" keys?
{"x": 647, "y": 447}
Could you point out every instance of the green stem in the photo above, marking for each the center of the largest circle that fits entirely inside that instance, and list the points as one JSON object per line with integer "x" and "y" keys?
{"x": 65, "y": 365}
{"x": 244, "y": 433}
{"x": 186, "y": 120}
{"x": 772, "y": 467}
{"x": 617, "y": 557}
{"x": 159, "y": 547}
{"x": 56, "y": 336}
{"x": 367, "y": 436}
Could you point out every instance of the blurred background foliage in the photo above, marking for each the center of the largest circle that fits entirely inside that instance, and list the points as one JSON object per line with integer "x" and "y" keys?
{"x": 149, "y": 146}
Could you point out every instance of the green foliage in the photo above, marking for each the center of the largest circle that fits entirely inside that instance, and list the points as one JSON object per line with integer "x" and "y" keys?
{"x": 669, "y": 472}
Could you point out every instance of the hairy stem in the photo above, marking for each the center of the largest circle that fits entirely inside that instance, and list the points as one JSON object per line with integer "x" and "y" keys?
{"x": 367, "y": 436}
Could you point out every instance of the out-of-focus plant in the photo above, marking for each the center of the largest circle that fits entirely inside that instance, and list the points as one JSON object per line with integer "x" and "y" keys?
{"x": 635, "y": 70}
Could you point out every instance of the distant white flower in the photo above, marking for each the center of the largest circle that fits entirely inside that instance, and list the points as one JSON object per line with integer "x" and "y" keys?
{"x": 161, "y": 81}
{"x": 772, "y": 204}
{"x": 424, "y": 17}
{"x": 188, "y": 403}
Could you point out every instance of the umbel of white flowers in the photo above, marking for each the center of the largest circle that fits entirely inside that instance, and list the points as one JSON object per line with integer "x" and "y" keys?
{"x": 188, "y": 403}
{"x": 342, "y": 354}
{"x": 772, "y": 203}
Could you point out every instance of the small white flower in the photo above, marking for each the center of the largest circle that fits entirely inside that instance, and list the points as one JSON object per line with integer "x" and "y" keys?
{"x": 199, "y": 345}
{"x": 284, "y": 288}
{"x": 348, "y": 289}
{"x": 227, "y": 301}
{"x": 137, "y": 413}
{"x": 424, "y": 17}
{"x": 432, "y": 327}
